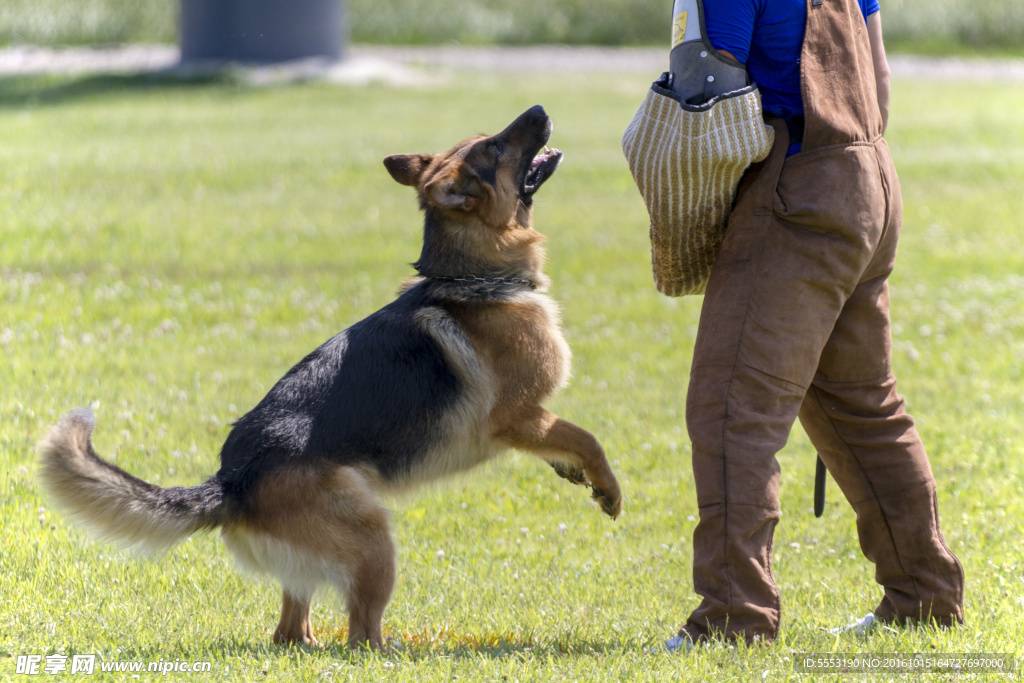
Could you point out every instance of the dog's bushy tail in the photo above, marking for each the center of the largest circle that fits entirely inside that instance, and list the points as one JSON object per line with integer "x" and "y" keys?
{"x": 112, "y": 503}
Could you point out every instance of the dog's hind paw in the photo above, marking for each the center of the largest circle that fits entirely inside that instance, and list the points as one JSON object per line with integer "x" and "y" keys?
{"x": 610, "y": 504}
{"x": 573, "y": 474}
{"x": 300, "y": 641}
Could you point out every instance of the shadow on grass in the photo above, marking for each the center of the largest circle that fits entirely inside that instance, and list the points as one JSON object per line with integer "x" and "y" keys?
{"x": 419, "y": 647}
{"x": 429, "y": 644}
{"x": 19, "y": 92}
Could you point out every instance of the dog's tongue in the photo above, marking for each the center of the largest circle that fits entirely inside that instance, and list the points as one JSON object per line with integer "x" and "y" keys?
{"x": 541, "y": 158}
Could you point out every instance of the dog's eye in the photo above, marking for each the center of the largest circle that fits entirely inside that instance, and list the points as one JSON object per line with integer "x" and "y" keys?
{"x": 499, "y": 149}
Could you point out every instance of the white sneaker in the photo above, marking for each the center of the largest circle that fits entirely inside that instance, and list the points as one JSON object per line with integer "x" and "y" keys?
{"x": 678, "y": 643}
{"x": 863, "y": 625}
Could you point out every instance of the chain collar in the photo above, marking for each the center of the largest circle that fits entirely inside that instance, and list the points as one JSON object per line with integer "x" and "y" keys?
{"x": 488, "y": 280}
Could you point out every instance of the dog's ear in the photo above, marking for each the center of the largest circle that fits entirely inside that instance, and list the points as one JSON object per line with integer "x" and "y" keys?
{"x": 407, "y": 168}
{"x": 450, "y": 192}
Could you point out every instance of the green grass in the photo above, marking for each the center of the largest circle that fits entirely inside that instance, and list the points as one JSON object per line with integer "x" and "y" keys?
{"x": 168, "y": 250}
{"x": 930, "y": 26}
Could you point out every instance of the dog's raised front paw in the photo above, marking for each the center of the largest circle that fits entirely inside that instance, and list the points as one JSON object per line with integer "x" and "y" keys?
{"x": 611, "y": 504}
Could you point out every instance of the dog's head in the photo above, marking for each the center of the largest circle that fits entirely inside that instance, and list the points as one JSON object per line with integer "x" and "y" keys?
{"x": 478, "y": 198}
{"x": 489, "y": 180}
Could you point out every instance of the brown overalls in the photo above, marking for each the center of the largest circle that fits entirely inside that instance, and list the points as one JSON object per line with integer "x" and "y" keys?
{"x": 795, "y": 323}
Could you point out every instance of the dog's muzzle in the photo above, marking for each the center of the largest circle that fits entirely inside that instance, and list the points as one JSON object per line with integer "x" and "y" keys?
{"x": 541, "y": 168}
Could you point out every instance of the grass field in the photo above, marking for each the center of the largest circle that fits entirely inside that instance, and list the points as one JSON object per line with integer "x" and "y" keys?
{"x": 167, "y": 251}
{"x": 931, "y": 26}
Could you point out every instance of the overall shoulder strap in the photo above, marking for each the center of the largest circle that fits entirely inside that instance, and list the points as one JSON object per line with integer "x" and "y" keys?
{"x": 837, "y": 76}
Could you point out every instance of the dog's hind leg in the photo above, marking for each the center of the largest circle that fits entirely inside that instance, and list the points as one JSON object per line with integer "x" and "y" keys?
{"x": 321, "y": 525}
{"x": 343, "y": 524}
{"x": 298, "y": 571}
{"x": 572, "y": 451}
{"x": 370, "y": 557}
{"x": 295, "y": 625}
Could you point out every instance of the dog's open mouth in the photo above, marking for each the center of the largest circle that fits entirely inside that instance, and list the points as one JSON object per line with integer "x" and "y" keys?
{"x": 543, "y": 165}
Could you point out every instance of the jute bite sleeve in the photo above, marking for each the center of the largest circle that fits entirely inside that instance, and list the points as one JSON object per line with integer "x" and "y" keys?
{"x": 687, "y": 162}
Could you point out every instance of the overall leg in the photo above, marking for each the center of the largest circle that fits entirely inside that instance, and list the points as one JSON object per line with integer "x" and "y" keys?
{"x": 859, "y": 424}
{"x": 739, "y": 412}
{"x": 738, "y": 416}
{"x": 870, "y": 445}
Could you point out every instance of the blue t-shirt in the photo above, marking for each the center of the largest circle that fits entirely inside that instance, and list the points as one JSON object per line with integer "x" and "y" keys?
{"x": 767, "y": 36}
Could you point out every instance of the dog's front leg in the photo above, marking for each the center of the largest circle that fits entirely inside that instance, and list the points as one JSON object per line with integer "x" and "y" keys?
{"x": 572, "y": 451}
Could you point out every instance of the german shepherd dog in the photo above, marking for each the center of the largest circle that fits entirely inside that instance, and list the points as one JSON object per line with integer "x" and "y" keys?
{"x": 444, "y": 378}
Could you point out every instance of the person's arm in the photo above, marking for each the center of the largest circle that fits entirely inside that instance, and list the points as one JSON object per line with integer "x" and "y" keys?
{"x": 730, "y": 26}
{"x": 881, "y": 65}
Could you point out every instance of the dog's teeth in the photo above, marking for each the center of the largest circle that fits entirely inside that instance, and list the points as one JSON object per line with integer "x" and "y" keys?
{"x": 542, "y": 157}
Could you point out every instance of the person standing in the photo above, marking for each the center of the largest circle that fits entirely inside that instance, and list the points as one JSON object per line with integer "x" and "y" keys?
{"x": 795, "y": 324}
